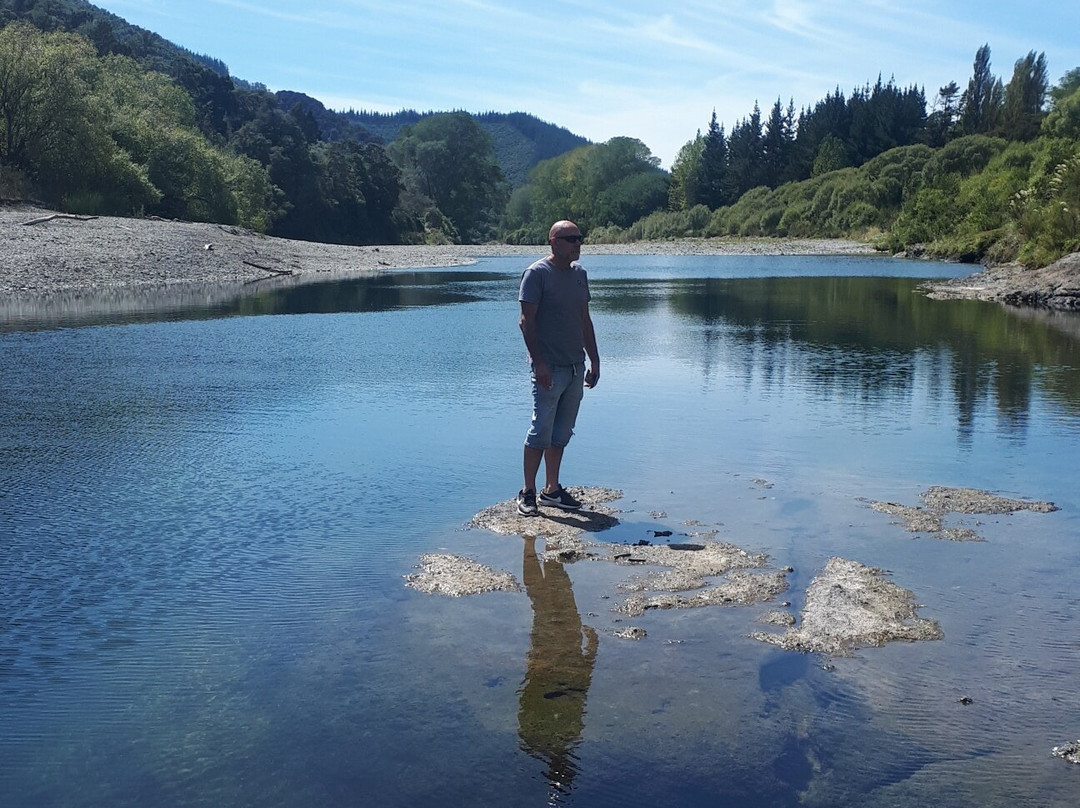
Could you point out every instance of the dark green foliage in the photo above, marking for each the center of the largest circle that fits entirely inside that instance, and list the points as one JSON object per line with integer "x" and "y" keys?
{"x": 1063, "y": 121}
{"x": 102, "y": 135}
{"x": 448, "y": 161}
{"x": 941, "y": 122}
{"x": 986, "y": 197}
{"x": 597, "y": 186}
{"x": 1021, "y": 113}
{"x": 778, "y": 143}
{"x": 1046, "y": 213}
{"x": 276, "y": 140}
{"x": 832, "y": 155}
{"x": 685, "y": 189}
{"x": 962, "y": 157}
{"x": 980, "y": 106}
{"x": 884, "y": 117}
{"x": 711, "y": 182}
{"x": 520, "y": 141}
{"x": 330, "y": 125}
{"x": 217, "y": 105}
{"x": 836, "y": 132}
{"x": 353, "y": 199}
{"x": 839, "y": 203}
{"x": 746, "y": 155}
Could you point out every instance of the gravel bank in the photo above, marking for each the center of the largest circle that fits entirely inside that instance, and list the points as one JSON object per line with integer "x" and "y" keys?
{"x": 94, "y": 255}
{"x": 65, "y": 255}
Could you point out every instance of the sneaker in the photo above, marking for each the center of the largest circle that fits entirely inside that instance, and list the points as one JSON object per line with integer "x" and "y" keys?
{"x": 526, "y": 503}
{"x": 560, "y": 499}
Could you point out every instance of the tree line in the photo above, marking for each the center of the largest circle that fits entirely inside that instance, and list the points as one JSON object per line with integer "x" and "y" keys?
{"x": 839, "y": 131}
{"x": 992, "y": 172}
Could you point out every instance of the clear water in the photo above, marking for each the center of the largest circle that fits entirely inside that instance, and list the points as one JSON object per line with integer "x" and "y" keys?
{"x": 207, "y": 510}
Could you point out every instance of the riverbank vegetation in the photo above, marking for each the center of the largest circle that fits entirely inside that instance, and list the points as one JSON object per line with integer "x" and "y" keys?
{"x": 992, "y": 173}
{"x": 98, "y": 116}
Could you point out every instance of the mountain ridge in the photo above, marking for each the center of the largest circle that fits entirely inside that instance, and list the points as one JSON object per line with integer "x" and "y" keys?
{"x": 521, "y": 140}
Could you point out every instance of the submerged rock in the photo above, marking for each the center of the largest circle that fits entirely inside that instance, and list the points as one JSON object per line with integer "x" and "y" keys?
{"x": 777, "y": 618}
{"x": 741, "y": 588}
{"x": 941, "y": 500}
{"x": 690, "y": 564}
{"x": 562, "y": 528}
{"x": 915, "y": 520}
{"x": 454, "y": 576}
{"x": 1069, "y": 752}
{"x": 851, "y": 606}
{"x": 961, "y": 534}
{"x": 969, "y": 500}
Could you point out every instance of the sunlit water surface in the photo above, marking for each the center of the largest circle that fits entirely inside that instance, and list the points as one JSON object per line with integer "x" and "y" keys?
{"x": 206, "y": 514}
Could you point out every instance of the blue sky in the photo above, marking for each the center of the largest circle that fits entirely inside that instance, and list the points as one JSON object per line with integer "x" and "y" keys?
{"x": 603, "y": 68}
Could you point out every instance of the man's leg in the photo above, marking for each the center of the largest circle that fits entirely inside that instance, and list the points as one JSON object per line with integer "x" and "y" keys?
{"x": 562, "y": 427}
{"x": 532, "y": 466}
{"x": 546, "y": 403}
{"x": 552, "y": 464}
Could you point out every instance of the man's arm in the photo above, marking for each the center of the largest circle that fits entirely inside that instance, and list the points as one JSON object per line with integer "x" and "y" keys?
{"x": 528, "y": 330}
{"x": 589, "y": 339}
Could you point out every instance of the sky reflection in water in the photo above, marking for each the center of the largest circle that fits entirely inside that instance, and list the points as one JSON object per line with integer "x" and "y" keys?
{"x": 205, "y": 517}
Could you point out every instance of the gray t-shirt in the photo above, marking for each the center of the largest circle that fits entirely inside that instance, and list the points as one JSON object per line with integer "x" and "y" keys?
{"x": 560, "y": 295}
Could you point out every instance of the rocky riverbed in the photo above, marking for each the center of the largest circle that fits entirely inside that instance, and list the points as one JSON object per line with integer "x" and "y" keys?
{"x": 1056, "y": 286}
{"x": 848, "y": 605}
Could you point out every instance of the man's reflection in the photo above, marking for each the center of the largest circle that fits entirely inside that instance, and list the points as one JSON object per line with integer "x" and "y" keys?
{"x": 551, "y": 712}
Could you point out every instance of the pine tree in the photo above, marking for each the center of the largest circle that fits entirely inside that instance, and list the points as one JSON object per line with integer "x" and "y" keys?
{"x": 713, "y": 181}
{"x": 941, "y": 123}
{"x": 830, "y": 116}
{"x": 746, "y": 154}
{"x": 778, "y": 139}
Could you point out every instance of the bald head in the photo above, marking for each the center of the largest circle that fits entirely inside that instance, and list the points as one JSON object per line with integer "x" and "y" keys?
{"x": 564, "y": 237}
{"x": 563, "y": 227}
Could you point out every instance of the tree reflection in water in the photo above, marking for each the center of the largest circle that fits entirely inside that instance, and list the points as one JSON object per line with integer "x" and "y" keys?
{"x": 551, "y": 711}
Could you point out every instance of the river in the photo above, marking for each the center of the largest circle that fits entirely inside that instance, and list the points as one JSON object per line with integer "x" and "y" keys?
{"x": 208, "y": 509}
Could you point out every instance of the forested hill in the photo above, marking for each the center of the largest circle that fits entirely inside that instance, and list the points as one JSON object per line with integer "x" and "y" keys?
{"x": 103, "y": 117}
{"x": 520, "y": 140}
{"x": 109, "y": 33}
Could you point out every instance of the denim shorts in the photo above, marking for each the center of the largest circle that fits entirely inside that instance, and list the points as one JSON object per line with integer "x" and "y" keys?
{"x": 555, "y": 409}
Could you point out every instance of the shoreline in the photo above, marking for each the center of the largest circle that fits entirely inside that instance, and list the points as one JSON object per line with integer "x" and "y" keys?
{"x": 69, "y": 255}
{"x": 75, "y": 257}
{"x": 1056, "y": 286}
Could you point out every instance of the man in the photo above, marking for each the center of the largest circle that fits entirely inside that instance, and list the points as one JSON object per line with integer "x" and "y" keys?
{"x": 558, "y": 332}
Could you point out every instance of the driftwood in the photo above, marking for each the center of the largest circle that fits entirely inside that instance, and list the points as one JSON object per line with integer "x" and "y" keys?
{"x": 49, "y": 218}
{"x": 265, "y": 268}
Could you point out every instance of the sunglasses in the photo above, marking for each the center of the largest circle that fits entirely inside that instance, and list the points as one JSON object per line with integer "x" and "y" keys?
{"x": 572, "y": 239}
